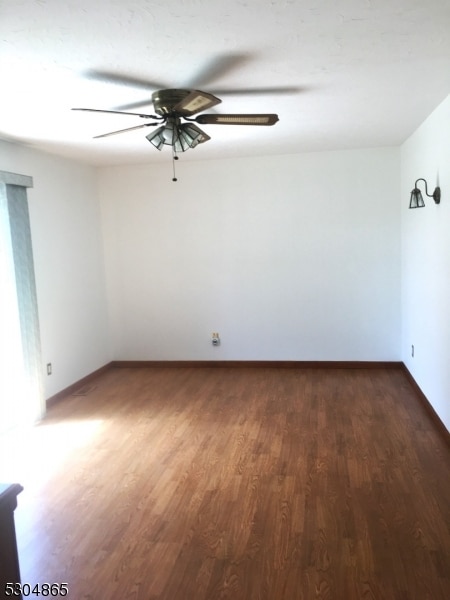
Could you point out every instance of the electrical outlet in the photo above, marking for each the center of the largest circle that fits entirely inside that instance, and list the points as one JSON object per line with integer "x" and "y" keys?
{"x": 412, "y": 350}
{"x": 49, "y": 368}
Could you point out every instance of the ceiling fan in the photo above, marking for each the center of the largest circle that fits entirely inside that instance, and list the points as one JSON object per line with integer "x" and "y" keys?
{"x": 176, "y": 108}
{"x": 172, "y": 107}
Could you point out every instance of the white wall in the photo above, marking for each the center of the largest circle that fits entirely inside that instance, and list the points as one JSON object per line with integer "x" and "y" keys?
{"x": 426, "y": 261}
{"x": 67, "y": 248}
{"x": 292, "y": 257}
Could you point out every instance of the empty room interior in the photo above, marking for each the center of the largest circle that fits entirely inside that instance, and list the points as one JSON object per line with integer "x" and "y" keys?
{"x": 225, "y": 292}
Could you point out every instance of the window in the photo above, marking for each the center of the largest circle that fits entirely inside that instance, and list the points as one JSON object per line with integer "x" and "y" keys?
{"x": 21, "y": 397}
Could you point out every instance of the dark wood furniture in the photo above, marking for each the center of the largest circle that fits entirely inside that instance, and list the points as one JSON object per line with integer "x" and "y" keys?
{"x": 9, "y": 559}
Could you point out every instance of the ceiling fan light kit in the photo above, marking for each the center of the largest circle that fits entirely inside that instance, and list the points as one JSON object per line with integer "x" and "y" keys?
{"x": 181, "y": 136}
{"x": 174, "y": 105}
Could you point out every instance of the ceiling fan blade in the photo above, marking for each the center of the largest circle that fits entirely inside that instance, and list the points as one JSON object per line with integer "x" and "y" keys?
{"x": 194, "y": 102}
{"x": 119, "y": 112}
{"x": 269, "y": 91}
{"x": 133, "y": 105}
{"x": 216, "y": 68}
{"x": 122, "y": 79}
{"x": 262, "y": 119}
{"x": 259, "y": 91}
{"x": 123, "y": 130}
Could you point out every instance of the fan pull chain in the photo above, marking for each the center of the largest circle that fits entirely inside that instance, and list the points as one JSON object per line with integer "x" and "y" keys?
{"x": 174, "y": 158}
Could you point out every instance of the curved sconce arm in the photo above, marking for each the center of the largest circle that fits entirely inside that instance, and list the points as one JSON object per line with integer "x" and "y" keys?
{"x": 416, "y": 195}
{"x": 436, "y": 195}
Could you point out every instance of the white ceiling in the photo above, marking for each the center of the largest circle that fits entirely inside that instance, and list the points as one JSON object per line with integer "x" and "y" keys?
{"x": 352, "y": 73}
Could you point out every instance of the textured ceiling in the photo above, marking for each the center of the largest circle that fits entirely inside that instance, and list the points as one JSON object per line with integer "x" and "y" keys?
{"x": 339, "y": 73}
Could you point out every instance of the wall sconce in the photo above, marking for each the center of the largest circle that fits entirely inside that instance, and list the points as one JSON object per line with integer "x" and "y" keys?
{"x": 417, "y": 198}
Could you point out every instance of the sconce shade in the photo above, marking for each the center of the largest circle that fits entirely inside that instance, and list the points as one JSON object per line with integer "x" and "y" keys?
{"x": 416, "y": 199}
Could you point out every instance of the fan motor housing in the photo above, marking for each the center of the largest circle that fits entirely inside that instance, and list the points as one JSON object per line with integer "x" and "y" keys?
{"x": 165, "y": 100}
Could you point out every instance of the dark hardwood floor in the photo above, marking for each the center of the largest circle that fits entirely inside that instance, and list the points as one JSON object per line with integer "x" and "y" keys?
{"x": 240, "y": 484}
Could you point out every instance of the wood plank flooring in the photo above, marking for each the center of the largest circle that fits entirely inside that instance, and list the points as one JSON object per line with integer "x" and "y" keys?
{"x": 240, "y": 484}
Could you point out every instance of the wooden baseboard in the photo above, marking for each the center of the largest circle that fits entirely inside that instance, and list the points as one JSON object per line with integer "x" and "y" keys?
{"x": 280, "y": 364}
{"x": 77, "y": 385}
{"x": 445, "y": 433}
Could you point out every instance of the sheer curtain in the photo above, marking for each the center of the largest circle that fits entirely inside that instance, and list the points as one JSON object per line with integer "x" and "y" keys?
{"x": 21, "y": 393}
